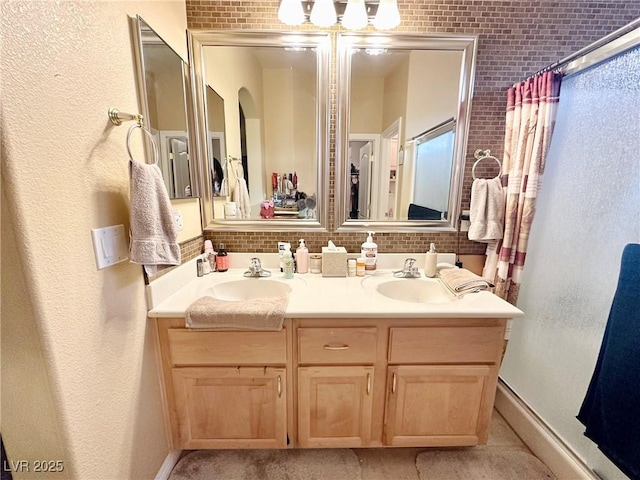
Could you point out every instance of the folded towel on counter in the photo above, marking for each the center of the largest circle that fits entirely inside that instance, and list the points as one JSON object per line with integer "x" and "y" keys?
{"x": 257, "y": 314}
{"x": 486, "y": 211}
{"x": 460, "y": 281}
{"x": 610, "y": 408}
{"x": 153, "y": 228}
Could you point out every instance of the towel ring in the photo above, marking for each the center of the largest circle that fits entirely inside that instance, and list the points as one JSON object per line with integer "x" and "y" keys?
{"x": 482, "y": 155}
{"x": 153, "y": 141}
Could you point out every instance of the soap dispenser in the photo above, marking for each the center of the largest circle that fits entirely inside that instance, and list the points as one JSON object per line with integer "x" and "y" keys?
{"x": 302, "y": 257}
{"x": 369, "y": 251}
{"x": 431, "y": 263}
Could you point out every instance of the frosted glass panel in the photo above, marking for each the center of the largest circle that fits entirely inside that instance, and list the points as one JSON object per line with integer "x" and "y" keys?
{"x": 433, "y": 172}
{"x": 588, "y": 210}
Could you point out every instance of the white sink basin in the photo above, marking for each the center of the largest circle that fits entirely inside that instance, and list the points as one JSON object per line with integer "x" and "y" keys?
{"x": 415, "y": 291}
{"x": 247, "y": 289}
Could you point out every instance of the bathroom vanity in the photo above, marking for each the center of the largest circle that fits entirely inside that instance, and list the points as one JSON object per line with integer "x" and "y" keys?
{"x": 350, "y": 368}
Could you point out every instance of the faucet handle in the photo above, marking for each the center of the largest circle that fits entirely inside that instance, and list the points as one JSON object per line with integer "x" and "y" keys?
{"x": 410, "y": 264}
{"x": 256, "y": 266}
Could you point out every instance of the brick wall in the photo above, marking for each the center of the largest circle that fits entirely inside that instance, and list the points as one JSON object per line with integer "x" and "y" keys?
{"x": 516, "y": 39}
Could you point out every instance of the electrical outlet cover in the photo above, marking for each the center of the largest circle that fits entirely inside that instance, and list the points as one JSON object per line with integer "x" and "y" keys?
{"x": 177, "y": 215}
{"x": 464, "y": 224}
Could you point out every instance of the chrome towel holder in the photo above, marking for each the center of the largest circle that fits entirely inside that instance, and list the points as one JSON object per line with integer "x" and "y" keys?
{"x": 484, "y": 155}
{"x": 118, "y": 117}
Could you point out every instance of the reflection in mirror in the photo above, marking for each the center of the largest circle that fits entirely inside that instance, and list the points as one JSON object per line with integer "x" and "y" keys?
{"x": 269, "y": 92}
{"x": 403, "y": 114}
{"x": 215, "y": 140}
{"x": 162, "y": 96}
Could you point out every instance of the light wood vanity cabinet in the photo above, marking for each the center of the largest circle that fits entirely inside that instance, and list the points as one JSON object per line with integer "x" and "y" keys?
{"x": 335, "y": 403}
{"x": 332, "y": 383}
{"x": 224, "y": 389}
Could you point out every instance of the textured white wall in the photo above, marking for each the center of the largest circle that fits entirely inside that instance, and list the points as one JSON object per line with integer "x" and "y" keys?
{"x": 65, "y": 172}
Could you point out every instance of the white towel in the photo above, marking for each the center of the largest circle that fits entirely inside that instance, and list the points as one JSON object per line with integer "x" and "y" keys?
{"x": 486, "y": 212}
{"x": 256, "y": 314}
{"x": 461, "y": 281}
{"x": 153, "y": 229}
{"x": 241, "y": 197}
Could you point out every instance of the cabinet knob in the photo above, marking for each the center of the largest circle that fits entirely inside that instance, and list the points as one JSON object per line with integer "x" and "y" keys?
{"x": 368, "y": 383}
{"x": 393, "y": 384}
{"x": 279, "y": 386}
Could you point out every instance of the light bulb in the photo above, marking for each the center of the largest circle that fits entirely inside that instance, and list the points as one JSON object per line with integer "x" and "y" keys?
{"x": 355, "y": 15}
{"x": 291, "y": 12}
{"x": 323, "y": 13}
{"x": 387, "y": 15}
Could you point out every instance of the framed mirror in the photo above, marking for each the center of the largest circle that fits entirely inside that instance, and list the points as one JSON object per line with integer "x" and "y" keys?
{"x": 263, "y": 154}
{"x": 403, "y": 116}
{"x": 161, "y": 84}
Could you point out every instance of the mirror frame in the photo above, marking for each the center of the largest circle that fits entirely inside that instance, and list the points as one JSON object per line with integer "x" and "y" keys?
{"x": 467, "y": 44}
{"x": 143, "y": 103}
{"x": 197, "y": 40}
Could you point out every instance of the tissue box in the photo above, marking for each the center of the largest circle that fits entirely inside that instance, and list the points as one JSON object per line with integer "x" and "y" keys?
{"x": 334, "y": 262}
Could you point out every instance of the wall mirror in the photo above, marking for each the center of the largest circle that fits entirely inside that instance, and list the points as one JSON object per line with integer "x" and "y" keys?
{"x": 162, "y": 93}
{"x": 261, "y": 103}
{"x": 403, "y": 114}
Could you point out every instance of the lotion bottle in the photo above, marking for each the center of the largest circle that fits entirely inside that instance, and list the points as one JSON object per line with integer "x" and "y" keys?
{"x": 288, "y": 264}
{"x": 302, "y": 257}
{"x": 431, "y": 263}
{"x": 222, "y": 259}
{"x": 369, "y": 251}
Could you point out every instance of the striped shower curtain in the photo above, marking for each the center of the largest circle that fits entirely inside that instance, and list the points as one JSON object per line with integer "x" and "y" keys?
{"x": 531, "y": 113}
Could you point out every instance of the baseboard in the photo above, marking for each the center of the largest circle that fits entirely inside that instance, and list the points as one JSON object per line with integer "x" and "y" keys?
{"x": 167, "y": 466}
{"x": 541, "y": 440}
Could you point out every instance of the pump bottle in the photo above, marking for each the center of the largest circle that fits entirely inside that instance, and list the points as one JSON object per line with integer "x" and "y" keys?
{"x": 302, "y": 257}
{"x": 369, "y": 251}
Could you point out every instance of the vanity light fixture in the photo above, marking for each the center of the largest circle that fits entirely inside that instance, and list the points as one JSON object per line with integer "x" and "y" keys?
{"x": 352, "y": 14}
{"x": 291, "y": 12}
{"x": 323, "y": 13}
{"x": 355, "y": 15}
{"x": 387, "y": 16}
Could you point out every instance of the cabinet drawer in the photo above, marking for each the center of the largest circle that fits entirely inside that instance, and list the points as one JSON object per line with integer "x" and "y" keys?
{"x": 446, "y": 345}
{"x": 337, "y": 345}
{"x": 227, "y": 348}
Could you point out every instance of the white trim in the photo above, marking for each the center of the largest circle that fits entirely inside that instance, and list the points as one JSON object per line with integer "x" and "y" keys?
{"x": 539, "y": 437}
{"x": 167, "y": 466}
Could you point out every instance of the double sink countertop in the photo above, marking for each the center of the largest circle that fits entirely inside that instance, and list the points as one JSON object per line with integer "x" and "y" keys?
{"x": 315, "y": 296}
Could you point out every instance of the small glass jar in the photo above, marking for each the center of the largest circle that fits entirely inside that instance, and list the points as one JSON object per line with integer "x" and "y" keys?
{"x": 315, "y": 263}
{"x": 351, "y": 267}
{"x": 360, "y": 267}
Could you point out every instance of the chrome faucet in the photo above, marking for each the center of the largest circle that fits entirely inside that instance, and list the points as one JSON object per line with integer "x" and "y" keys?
{"x": 256, "y": 270}
{"x": 409, "y": 271}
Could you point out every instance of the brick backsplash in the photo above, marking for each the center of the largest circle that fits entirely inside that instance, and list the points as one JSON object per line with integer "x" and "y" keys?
{"x": 516, "y": 39}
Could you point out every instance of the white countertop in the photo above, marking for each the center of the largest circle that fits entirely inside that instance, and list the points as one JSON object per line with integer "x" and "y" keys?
{"x": 314, "y": 296}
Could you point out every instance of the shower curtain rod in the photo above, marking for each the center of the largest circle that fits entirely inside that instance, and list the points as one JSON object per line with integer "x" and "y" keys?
{"x": 590, "y": 48}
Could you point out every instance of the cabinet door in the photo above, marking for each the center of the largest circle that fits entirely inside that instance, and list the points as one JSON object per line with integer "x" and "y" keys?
{"x": 438, "y": 405}
{"x": 334, "y": 406}
{"x": 219, "y": 407}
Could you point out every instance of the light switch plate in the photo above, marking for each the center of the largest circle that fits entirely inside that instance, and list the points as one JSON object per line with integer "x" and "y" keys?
{"x": 109, "y": 246}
